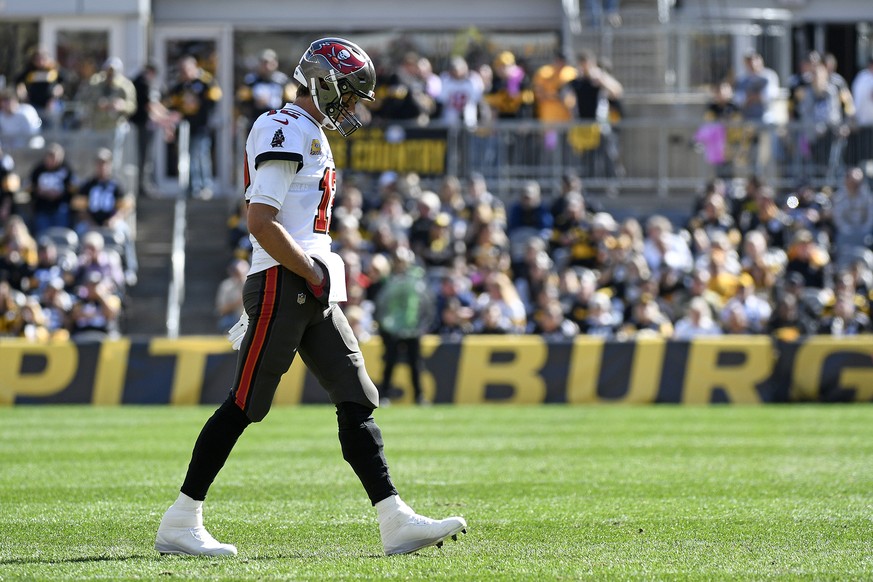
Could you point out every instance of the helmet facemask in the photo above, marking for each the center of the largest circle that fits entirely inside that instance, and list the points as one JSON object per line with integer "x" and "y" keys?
{"x": 333, "y": 91}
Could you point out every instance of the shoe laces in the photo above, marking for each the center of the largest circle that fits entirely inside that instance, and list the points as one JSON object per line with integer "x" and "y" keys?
{"x": 201, "y": 535}
{"x": 416, "y": 519}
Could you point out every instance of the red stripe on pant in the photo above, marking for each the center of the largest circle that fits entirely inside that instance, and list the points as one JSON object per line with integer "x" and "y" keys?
{"x": 268, "y": 305}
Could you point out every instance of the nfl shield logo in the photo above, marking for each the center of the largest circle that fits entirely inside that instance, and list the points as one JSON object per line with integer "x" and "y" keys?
{"x": 301, "y": 298}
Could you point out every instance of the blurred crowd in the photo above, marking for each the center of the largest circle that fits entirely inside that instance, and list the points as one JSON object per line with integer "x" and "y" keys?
{"x": 549, "y": 261}
{"x": 68, "y": 258}
{"x": 748, "y": 261}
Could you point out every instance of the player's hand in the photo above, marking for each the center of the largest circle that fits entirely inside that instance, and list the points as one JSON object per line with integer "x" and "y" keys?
{"x": 320, "y": 290}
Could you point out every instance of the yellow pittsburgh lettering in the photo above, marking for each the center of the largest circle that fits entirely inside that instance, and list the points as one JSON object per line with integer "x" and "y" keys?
{"x": 810, "y": 359}
{"x": 290, "y": 390}
{"x": 111, "y": 371}
{"x": 191, "y": 356}
{"x": 703, "y": 373}
{"x": 476, "y": 370}
{"x": 585, "y": 369}
{"x": 61, "y": 361}
{"x": 374, "y": 350}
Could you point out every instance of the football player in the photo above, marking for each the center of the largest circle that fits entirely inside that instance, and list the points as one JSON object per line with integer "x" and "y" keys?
{"x": 290, "y": 298}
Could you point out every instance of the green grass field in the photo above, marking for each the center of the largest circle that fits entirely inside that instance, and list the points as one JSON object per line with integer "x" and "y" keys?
{"x": 549, "y": 492}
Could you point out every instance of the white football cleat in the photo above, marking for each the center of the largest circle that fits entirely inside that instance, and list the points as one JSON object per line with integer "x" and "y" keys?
{"x": 182, "y": 532}
{"x": 404, "y": 531}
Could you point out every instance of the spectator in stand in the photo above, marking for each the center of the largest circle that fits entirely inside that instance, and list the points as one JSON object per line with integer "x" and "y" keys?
{"x": 501, "y": 292}
{"x": 49, "y": 266}
{"x": 510, "y": 95}
{"x": 734, "y": 321}
{"x": 769, "y": 218}
{"x": 844, "y": 286}
{"x": 461, "y": 95}
{"x": 57, "y": 306}
{"x": 757, "y": 310}
{"x": 95, "y": 258}
{"x": 102, "y": 204}
{"x": 18, "y": 254}
{"x": 600, "y": 11}
{"x": 547, "y": 83}
{"x": 454, "y": 288}
{"x": 712, "y": 218}
{"x": 405, "y": 95}
{"x": 51, "y": 190}
{"x": 719, "y": 136}
{"x": 646, "y": 320}
{"x": 10, "y": 183}
{"x": 824, "y": 122}
{"x": 756, "y": 91}
{"x": 846, "y": 319}
{"x": 810, "y": 209}
{"x": 801, "y": 80}
{"x": 697, "y": 322}
{"x": 764, "y": 264}
{"x": 810, "y": 259}
{"x": 580, "y": 304}
{"x": 97, "y": 308}
{"x": 530, "y": 212}
{"x": 108, "y": 97}
{"x": 571, "y": 185}
{"x": 149, "y": 118}
{"x": 228, "y": 298}
{"x": 538, "y": 276}
{"x": 786, "y": 323}
{"x": 853, "y": 216}
{"x": 11, "y": 301}
{"x": 41, "y": 84}
{"x": 452, "y": 203}
{"x": 441, "y": 247}
{"x": 19, "y": 122}
{"x": 587, "y": 96}
{"x": 264, "y": 88}
{"x": 552, "y": 325}
{"x": 601, "y": 319}
{"x": 665, "y": 251}
{"x": 698, "y": 287}
{"x": 195, "y": 98}
{"x": 454, "y": 321}
{"x": 477, "y": 195}
{"x": 32, "y": 325}
{"x": 571, "y": 241}
{"x": 862, "y": 94}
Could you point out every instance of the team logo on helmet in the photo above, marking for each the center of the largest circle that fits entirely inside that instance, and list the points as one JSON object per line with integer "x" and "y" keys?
{"x": 339, "y": 57}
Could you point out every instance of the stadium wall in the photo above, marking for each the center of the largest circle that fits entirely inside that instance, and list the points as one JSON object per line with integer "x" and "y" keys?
{"x": 479, "y": 369}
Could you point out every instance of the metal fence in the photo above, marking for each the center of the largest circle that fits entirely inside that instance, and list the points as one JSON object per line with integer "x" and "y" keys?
{"x": 663, "y": 158}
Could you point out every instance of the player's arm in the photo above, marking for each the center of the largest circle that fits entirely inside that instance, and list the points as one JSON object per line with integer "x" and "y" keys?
{"x": 272, "y": 180}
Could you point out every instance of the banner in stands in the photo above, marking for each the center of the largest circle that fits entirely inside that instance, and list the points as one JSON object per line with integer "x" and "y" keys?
{"x": 479, "y": 369}
{"x": 373, "y": 149}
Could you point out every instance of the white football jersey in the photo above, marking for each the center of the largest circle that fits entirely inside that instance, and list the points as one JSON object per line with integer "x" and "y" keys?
{"x": 292, "y": 135}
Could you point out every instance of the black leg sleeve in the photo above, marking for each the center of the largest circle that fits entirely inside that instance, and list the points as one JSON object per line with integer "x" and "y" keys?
{"x": 361, "y": 442}
{"x": 212, "y": 448}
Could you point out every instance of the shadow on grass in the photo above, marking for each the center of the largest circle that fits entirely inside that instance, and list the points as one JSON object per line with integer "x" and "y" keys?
{"x": 179, "y": 557}
{"x": 79, "y": 559}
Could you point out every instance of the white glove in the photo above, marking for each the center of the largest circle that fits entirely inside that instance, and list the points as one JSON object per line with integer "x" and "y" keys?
{"x": 236, "y": 333}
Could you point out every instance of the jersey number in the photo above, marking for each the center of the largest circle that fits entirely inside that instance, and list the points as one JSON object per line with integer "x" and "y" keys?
{"x": 322, "y": 214}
